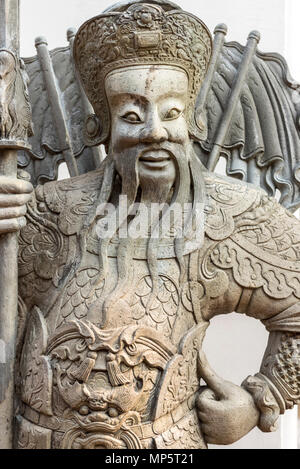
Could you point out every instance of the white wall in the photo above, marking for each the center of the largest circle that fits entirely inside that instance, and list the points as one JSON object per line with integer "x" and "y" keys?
{"x": 234, "y": 344}
{"x": 51, "y": 18}
{"x": 291, "y": 48}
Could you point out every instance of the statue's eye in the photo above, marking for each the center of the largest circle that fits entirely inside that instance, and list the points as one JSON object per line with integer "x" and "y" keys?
{"x": 172, "y": 114}
{"x": 131, "y": 117}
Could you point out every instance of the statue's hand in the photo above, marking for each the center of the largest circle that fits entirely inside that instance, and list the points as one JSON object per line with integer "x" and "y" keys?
{"x": 14, "y": 195}
{"x": 227, "y": 412}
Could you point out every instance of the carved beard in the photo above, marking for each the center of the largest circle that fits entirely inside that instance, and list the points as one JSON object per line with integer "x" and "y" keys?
{"x": 127, "y": 167}
{"x": 188, "y": 186}
{"x": 156, "y": 189}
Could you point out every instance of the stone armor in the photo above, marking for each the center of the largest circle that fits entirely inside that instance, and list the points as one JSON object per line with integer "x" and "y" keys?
{"x": 120, "y": 375}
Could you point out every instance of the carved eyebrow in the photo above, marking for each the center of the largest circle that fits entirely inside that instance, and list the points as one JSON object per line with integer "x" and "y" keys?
{"x": 140, "y": 100}
{"x": 137, "y": 99}
{"x": 173, "y": 94}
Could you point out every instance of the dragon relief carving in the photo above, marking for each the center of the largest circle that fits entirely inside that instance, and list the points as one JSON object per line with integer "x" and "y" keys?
{"x": 107, "y": 379}
{"x": 112, "y": 388}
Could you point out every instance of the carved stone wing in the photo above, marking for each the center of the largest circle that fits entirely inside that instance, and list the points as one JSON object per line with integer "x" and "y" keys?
{"x": 252, "y": 121}
{"x": 59, "y": 109}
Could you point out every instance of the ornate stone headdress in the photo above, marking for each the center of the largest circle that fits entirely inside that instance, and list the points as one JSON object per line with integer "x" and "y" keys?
{"x": 140, "y": 34}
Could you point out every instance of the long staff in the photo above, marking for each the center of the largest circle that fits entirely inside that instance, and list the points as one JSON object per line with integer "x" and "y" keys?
{"x": 14, "y": 124}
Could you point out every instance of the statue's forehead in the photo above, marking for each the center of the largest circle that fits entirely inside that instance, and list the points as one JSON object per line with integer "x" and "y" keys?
{"x": 147, "y": 80}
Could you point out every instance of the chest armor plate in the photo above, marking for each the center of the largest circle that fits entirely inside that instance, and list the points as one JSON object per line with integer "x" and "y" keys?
{"x": 119, "y": 373}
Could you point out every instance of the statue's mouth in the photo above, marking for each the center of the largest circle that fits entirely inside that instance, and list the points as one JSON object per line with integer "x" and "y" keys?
{"x": 155, "y": 158}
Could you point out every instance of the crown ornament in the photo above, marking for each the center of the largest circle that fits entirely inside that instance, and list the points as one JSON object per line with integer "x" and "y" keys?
{"x": 142, "y": 34}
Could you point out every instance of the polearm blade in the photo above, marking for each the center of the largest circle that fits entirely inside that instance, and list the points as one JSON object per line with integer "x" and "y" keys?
{"x": 14, "y": 129}
{"x": 56, "y": 105}
{"x": 87, "y": 107}
{"x": 250, "y": 50}
{"x": 9, "y": 25}
{"x": 219, "y": 39}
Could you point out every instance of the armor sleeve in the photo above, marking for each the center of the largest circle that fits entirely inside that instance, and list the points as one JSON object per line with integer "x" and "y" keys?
{"x": 276, "y": 387}
{"x": 276, "y": 303}
{"x": 262, "y": 257}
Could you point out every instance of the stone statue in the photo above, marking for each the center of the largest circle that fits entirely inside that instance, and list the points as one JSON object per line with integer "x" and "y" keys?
{"x": 111, "y": 325}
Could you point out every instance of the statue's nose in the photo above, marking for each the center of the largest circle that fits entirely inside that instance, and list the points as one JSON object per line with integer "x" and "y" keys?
{"x": 154, "y": 131}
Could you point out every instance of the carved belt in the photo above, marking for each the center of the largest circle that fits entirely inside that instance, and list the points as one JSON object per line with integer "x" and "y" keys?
{"x": 143, "y": 430}
{"x": 180, "y": 418}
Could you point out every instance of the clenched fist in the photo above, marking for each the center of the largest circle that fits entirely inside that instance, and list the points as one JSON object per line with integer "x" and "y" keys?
{"x": 14, "y": 195}
{"x": 227, "y": 412}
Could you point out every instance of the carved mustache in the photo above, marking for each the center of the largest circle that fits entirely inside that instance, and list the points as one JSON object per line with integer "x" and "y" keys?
{"x": 175, "y": 150}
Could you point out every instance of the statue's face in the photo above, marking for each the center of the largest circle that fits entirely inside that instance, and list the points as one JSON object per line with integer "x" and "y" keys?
{"x": 147, "y": 105}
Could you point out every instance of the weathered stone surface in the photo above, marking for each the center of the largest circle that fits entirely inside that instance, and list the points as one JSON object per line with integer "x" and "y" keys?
{"x": 116, "y": 298}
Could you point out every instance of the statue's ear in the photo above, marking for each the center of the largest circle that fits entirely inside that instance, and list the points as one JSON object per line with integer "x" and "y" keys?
{"x": 93, "y": 131}
{"x": 197, "y": 122}
{"x": 201, "y": 123}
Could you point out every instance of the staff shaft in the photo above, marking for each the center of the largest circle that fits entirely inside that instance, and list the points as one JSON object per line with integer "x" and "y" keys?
{"x": 9, "y": 39}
